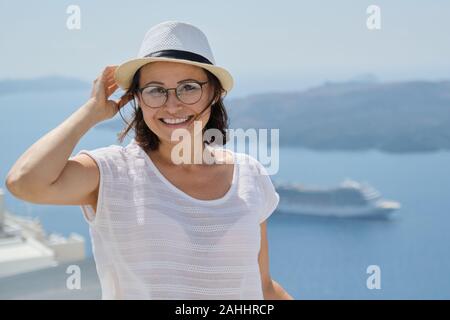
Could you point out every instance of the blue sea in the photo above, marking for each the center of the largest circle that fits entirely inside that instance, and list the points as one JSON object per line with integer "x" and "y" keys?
{"x": 312, "y": 258}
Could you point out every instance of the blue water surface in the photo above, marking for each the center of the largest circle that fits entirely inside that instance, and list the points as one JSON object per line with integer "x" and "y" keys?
{"x": 312, "y": 258}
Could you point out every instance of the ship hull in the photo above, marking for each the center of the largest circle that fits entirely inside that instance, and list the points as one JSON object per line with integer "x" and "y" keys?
{"x": 338, "y": 212}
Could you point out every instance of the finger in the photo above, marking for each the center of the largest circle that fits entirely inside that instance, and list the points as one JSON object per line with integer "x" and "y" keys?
{"x": 104, "y": 80}
{"x": 111, "y": 66}
{"x": 93, "y": 86}
{"x": 111, "y": 79}
{"x": 109, "y": 82}
{"x": 105, "y": 73}
{"x": 110, "y": 76}
{"x": 97, "y": 86}
{"x": 109, "y": 70}
{"x": 102, "y": 77}
{"x": 111, "y": 89}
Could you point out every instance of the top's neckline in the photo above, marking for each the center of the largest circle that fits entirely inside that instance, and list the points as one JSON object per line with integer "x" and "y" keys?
{"x": 158, "y": 173}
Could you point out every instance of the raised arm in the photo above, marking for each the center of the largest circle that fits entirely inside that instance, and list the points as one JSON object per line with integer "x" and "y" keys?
{"x": 45, "y": 175}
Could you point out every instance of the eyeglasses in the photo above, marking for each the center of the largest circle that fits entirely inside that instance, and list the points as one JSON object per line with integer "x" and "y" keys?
{"x": 187, "y": 92}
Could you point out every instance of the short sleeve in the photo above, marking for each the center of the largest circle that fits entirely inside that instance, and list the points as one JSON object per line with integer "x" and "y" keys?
{"x": 270, "y": 196}
{"x": 103, "y": 157}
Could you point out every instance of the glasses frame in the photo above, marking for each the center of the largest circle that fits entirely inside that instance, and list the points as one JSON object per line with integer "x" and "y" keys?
{"x": 166, "y": 92}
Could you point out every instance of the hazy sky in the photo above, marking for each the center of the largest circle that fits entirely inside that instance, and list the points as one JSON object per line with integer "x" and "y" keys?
{"x": 278, "y": 45}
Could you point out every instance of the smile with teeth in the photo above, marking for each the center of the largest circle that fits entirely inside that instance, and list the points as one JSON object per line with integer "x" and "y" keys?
{"x": 175, "y": 121}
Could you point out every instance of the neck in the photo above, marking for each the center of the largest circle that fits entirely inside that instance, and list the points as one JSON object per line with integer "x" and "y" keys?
{"x": 166, "y": 152}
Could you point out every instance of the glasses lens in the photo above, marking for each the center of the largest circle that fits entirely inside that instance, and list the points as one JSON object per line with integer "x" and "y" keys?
{"x": 189, "y": 92}
{"x": 154, "y": 96}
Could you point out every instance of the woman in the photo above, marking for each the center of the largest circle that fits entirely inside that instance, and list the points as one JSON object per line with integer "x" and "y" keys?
{"x": 161, "y": 228}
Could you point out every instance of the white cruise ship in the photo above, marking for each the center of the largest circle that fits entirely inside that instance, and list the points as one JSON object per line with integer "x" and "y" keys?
{"x": 348, "y": 200}
{"x": 25, "y": 247}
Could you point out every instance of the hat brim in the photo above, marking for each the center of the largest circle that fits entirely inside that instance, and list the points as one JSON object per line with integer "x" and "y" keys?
{"x": 125, "y": 72}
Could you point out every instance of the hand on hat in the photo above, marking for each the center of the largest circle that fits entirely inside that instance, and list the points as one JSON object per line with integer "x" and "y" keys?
{"x": 103, "y": 87}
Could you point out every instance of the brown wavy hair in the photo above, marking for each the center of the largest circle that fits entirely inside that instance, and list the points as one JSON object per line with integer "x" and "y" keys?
{"x": 148, "y": 140}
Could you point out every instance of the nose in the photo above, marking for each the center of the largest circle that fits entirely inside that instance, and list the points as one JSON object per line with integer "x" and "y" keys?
{"x": 172, "y": 103}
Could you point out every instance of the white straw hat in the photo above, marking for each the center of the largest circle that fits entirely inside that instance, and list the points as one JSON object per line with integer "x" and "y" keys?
{"x": 176, "y": 42}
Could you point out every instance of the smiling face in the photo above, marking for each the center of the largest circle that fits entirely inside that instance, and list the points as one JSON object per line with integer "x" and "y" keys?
{"x": 169, "y": 74}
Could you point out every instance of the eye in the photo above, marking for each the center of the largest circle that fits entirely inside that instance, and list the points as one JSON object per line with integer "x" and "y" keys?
{"x": 154, "y": 91}
{"x": 187, "y": 87}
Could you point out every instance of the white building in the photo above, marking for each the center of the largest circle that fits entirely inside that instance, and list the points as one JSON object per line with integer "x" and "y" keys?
{"x": 24, "y": 245}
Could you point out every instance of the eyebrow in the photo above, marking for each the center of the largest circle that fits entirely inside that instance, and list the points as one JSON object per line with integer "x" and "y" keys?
{"x": 157, "y": 82}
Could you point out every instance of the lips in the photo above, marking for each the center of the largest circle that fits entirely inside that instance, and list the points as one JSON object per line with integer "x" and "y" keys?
{"x": 173, "y": 125}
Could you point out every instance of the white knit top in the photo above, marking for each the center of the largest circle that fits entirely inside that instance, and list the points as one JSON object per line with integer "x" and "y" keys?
{"x": 151, "y": 240}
